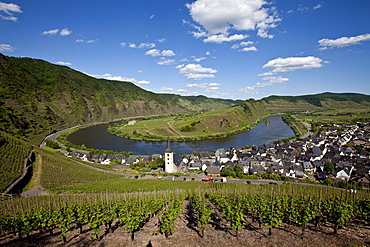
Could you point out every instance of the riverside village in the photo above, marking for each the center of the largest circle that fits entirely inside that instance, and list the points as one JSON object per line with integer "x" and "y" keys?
{"x": 328, "y": 157}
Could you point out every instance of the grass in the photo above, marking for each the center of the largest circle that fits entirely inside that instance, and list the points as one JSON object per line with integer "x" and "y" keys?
{"x": 336, "y": 116}
{"x": 206, "y": 125}
{"x": 123, "y": 185}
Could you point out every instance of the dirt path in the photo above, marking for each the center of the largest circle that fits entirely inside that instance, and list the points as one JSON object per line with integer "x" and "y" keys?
{"x": 37, "y": 189}
{"x": 170, "y": 125}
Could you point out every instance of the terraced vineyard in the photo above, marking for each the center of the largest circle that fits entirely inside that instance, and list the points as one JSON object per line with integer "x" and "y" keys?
{"x": 13, "y": 153}
{"x": 236, "y": 207}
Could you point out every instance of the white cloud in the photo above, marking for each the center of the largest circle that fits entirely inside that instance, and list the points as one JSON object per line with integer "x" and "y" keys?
{"x": 220, "y": 16}
{"x": 152, "y": 16}
{"x": 206, "y": 87}
{"x": 153, "y": 52}
{"x": 198, "y": 59}
{"x": 51, "y": 32}
{"x": 85, "y": 41}
{"x": 6, "y": 47}
{"x": 166, "y": 61}
{"x": 64, "y": 63}
{"x": 293, "y": 63}
{"x": 120, "y": 78}
{"x": 65, "y": 32}
{"x": 244, "y": 44}
{"x": 196, "y": 71}
{"x": 251, "y": 48}
{"x": 9, "y": 8}
{"x": 8, "y": 18}
{"x": 220, "y": 38}
{"x": 156, "y": 53}
{"x": 343, "y": 41}
{"x": 162, "y": 40}
{"x": 168, "y": 53}
{"x": 268, "y": 81}
{"x": 317, "y": 6}
{"x": 141, "y": 46}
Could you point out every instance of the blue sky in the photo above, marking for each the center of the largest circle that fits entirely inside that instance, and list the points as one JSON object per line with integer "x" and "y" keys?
{"x": 234, "y": 49}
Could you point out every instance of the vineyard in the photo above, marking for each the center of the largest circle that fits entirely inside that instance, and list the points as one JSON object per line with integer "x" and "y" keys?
{"x": 233, "y": 211}
{"x": 13, "y": 153}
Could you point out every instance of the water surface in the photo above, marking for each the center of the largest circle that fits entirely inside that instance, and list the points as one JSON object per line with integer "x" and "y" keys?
{"x": 98, "y": 137}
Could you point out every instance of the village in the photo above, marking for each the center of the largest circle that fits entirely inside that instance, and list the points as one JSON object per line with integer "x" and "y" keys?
{"x": 331, "y": 156}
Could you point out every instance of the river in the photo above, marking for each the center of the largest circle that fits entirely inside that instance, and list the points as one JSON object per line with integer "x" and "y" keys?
{"x": 97, "y": 137}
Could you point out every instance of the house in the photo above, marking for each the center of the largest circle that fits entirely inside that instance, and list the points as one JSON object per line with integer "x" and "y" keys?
{"x": 344, "y": 174}
{"x": 307, "y": 166}
{"x": 364, "y": 181}
{"x": 213, "y": 171}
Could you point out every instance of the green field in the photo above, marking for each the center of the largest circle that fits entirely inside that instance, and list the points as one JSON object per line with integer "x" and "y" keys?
{"x": 336, "y": 116}
{"x": 212, "y": 124}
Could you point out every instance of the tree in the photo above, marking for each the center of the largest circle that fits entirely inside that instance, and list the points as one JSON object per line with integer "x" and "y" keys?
{"x": 238, "y": 169}
{"x": 227, "y": 172}
{"x": 329, "y": 166}
{"x": 156, "y": 163}
{"x": 51, "y": 144}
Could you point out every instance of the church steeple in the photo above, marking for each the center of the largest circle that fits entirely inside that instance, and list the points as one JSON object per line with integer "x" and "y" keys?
{"x": 168, "y": 149}
{"x": 170, "y": 166}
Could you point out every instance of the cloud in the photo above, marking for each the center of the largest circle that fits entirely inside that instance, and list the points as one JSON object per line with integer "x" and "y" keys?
{"x": 221, "y": 16}
{"x": 162, "y": 40}
{"x": 64, "y": 63}
{"x": 243, "y": 44}
{"x": 268, "y": 81}
{"x": 65, "y": 32}
{"x": 6, "y": 47}
{"x": 251, "y": 48}
{"x": 317, "y": 6}
{"x": 220, "y": 38}
{"x": 151, "y": 17}
{"x": 166, "y": 61}
{"x": 198, "y": 59}
{"x": 9, "y": 8}
{"x": 206, "y": 87}
{"x": 85, "y": 41}
{"x": 51, "y": 32}
{"x": 141, "y": 46}
{"x": 120, "y": 78}
{"x": 293, "y": 63}
{"x": 343, "y": 41}
{"x": 196, "y": 71}
{"x": 8, "y": 18}
{"x": 156, "y": 53}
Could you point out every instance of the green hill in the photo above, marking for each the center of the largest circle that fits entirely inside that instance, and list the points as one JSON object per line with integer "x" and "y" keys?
{"x": 239, "y": 117}
{"x": 37, "y": 97}
{"x": 200, "y": 102}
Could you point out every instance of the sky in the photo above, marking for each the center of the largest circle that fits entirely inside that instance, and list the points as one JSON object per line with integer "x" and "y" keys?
{"x": 231, "y": 49}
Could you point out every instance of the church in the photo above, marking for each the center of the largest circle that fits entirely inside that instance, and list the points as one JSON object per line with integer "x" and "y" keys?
{"x": 169, "y": 163}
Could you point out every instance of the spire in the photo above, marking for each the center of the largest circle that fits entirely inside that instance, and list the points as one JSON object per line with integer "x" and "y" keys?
{"x": 168, "y": 149}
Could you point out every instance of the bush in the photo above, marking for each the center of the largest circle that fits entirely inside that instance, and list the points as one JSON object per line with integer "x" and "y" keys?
{"x": 227, "y": 172}
{"x": 51, "y": 144}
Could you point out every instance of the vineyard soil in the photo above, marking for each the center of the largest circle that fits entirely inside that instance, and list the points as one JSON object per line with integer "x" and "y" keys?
{"x": 217, "y": 233}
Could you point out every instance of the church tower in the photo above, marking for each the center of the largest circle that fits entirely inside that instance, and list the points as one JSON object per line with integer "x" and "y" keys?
{"x": 168, "y": 158}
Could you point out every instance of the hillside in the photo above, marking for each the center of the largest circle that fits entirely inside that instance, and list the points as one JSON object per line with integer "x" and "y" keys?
{"x": 200, "y": 102}
{"x": 239, "y": 117}
{"x": 37, "y": 97}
